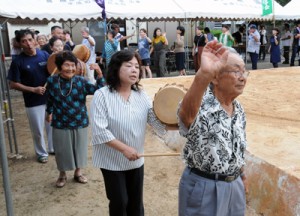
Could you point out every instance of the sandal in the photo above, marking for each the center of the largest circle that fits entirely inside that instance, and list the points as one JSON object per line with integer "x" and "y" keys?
{"x": 80, "y": 179}
{"x": 42, "y": 159}
{"x": 61, "y": 181}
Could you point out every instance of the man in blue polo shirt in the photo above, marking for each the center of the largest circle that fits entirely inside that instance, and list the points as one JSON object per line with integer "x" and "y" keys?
{"x": 28, "y": 73}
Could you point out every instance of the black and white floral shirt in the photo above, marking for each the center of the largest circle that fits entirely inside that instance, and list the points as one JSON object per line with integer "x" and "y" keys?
{"x": 216, "y": 142}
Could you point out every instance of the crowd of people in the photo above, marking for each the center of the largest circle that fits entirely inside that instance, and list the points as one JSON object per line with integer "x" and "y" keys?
{"x": 260, "y": 43}
{"x": 118, "y": 136}
{"x": 154, "y": 51}
{"x": 120, "y": 111}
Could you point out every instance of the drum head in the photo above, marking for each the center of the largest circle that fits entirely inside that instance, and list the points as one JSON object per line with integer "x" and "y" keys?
{"x": 82, "y": 52}
{"x": 166, "y": 102}
{"x": 51, "y": 66}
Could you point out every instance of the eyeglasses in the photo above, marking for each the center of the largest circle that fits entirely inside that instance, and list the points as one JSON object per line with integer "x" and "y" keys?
{"x": 239, "y": 74}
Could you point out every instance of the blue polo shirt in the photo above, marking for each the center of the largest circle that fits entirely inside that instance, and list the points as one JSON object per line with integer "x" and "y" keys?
{"x": 30, "y": 71}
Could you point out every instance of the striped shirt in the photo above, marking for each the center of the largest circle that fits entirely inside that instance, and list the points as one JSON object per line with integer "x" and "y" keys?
{"x": 113, "y": 118}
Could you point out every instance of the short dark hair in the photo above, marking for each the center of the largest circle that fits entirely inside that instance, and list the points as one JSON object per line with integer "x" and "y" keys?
{"x": 143, "y": 30}
{"x": 276, "y": 29}
{"x": 206, "y": 30}
{"x": 52, "y": 40}
{"x": 241, "y": 29}
{"x": 286, "y": 25}
{"x": 55, "y": 27}
{"x": 22, "y": 33}
{"x": 115, "y": 26}
{"x": 225, "y": 26}
{"x": 67, "y": 32}
{"x": 112, "y": 32}
{"x": 154, "y": 33}
{"x": 181, "y": 28}
{"x": 113, "y": 75}
{"x": 63, "y": 56}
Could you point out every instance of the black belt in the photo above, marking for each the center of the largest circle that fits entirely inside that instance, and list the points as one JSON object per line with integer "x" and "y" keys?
{"x": 216, "y": 176}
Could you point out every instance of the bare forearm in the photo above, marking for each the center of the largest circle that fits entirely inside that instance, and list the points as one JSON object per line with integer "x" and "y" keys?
{"x": 91, "y": 41}
{"x": 20, "y": 87}
{"x": 151, "y": 50}
{"x": 166, "y": 42}
{"x": 129, "y": 152}
{"x": 193, "y": 98}
{"x": 118, "y": 145}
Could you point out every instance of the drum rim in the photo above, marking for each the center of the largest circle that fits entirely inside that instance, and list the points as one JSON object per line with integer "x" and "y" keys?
{"x": 178, "y": 86}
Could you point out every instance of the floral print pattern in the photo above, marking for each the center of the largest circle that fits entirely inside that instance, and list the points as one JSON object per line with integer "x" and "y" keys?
{"x": 216, "y": 142}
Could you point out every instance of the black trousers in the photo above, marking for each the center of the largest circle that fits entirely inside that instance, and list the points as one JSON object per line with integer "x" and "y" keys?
{"x": 262, "y": 51}
{"x": 286, "y": 54}
{"x": 254, "y": 59}
{"x": 295, "y": 50}
{"x": 124, "y": 189}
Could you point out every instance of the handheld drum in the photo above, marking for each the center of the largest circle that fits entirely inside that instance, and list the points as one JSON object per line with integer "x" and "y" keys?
{"x": 165, "y": 103}
{"x": 82, "y": 52}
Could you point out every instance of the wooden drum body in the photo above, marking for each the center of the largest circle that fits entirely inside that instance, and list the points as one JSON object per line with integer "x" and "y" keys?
{"x": 165, "y": 103}
{"x": 82, "y": 52}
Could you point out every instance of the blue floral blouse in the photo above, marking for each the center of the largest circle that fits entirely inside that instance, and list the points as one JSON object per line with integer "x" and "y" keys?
{"x": 67, "y": 101}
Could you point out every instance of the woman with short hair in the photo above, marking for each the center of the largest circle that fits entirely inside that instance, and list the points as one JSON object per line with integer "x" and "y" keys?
{"x": 120, "y": 113}
{"x": 179, "y": 51}
{"x": 67, "y": 112}
{"x": 159, "y": 43}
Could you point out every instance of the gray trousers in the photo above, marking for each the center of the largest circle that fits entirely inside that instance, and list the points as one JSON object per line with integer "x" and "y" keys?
{"x": 37, "y": 122}
{"x": 71, "y": 148}
{"x": 200, "y": 196}
{"x": 160, "y": 63}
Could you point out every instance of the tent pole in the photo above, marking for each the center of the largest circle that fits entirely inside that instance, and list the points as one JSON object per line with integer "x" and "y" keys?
{"x": 246, "y": 42}
{"x": 5, "y": 172}
{"x": 6, "y": 102}
{"x": 8, "y": 107}
{"x": 2, "y": 85}
{"x": 4, "y": 162}
{"x": 273, "y": 14}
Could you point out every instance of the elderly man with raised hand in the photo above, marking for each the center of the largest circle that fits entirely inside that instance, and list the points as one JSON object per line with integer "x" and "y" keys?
{"x": 90, "y": 43}
{"x": 213, "y": 122}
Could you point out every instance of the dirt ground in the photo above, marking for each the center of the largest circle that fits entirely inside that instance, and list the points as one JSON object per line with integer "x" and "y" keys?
{"x": 33, "y": 184}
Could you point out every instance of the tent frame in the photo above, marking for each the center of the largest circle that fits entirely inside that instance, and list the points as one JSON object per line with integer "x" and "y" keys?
{"x": 4, "y": 162}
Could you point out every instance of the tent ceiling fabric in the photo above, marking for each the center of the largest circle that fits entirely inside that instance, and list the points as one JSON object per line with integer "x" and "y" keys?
{"x": 52, "y": 10}
{"x": 145, "y": 10}
{"x": 155, "y": 10}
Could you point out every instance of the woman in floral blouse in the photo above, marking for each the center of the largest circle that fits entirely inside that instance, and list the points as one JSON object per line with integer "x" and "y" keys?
{"x": 66, "y": 108}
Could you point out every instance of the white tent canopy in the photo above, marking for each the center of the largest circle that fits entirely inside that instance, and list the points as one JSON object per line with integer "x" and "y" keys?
{"x": 289, "y": 11}
{"x": 202, "y": 9}
{"x": 223, "y": 9}
{"x": 50, "y": 9}
{"x": 145, "y": 9}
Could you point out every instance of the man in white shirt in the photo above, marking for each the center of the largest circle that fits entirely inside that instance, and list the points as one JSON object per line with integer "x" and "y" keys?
{"x": 253, "y": 45}
{"x": 286, "y": 43}
{"x": 89, "y": 41}
{"x": 119, "y": 36}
